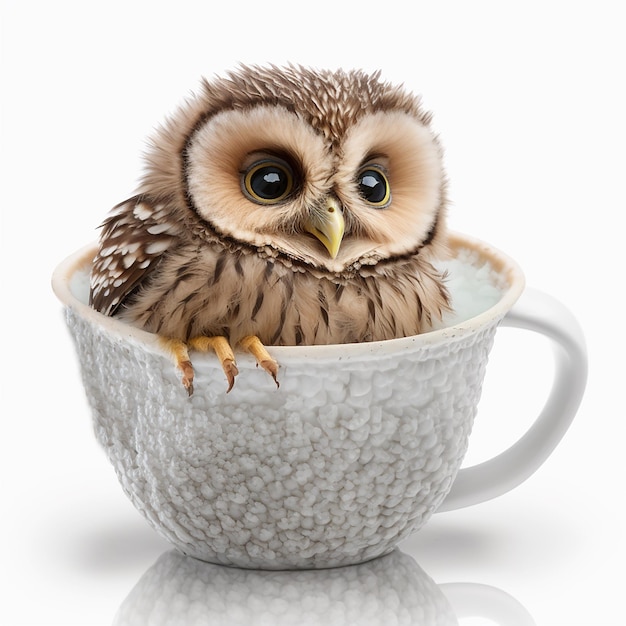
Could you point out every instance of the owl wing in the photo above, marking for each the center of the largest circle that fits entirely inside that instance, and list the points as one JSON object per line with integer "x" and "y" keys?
{"x": 133, "y": 240}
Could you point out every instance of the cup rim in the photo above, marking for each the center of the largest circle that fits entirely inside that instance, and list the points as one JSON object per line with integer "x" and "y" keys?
{"x": 501, "y": 263}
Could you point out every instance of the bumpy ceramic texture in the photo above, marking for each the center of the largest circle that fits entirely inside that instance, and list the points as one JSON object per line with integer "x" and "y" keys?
{"x": 337, "y": 466}
{"x": 385, "y": 591}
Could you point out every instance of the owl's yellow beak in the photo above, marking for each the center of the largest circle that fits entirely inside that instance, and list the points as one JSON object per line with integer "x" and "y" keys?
{"x": 328, "y": 225}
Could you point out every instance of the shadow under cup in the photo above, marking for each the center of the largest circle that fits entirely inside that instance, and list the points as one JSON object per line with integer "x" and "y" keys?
{"x": 356, "y": 449}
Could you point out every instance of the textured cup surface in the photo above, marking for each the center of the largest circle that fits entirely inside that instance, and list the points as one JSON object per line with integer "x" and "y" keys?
{"x": 180, "y": 590}
{"x": 355, "y": 451}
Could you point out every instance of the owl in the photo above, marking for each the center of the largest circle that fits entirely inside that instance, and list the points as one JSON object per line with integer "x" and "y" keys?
{"x": 280, "y": 206}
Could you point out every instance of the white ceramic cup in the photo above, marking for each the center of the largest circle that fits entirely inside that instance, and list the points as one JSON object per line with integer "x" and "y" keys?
{"x": 179, "y": 590}
{"x": 355, "y": 451}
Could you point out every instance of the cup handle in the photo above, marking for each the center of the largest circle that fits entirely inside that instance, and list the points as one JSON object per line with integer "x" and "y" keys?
{"x": 544, "y": 314}
{"x": 478, "y": 600}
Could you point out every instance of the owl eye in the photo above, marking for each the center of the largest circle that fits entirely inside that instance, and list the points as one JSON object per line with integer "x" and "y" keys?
{"x": 268, "y": 182}
{"x": 374, "y": 187}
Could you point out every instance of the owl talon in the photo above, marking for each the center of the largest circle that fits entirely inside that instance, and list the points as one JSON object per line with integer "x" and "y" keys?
{"x": 253, "y": 345}
{"x": 180, "y": 354}
{"x": 230, "y": 369}
{"x": 271, "y": 367}
{"x": 223, "y": 351}
{"x": 187, "y": 369}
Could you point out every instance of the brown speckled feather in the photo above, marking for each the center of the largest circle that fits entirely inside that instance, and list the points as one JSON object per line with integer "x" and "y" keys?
{"x": 282, "y": 306}
{"x": 134, "y": 239}
{"x": 193, "y": 253}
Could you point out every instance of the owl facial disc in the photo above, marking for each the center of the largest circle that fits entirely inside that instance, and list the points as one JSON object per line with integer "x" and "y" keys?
{"x": 328, "y": 225}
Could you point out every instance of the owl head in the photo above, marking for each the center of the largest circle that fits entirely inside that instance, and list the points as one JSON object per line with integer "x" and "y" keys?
{"x": 330, "y": 169}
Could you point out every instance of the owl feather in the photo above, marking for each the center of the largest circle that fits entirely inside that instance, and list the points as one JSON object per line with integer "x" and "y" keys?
{"x": 281, "y": 206}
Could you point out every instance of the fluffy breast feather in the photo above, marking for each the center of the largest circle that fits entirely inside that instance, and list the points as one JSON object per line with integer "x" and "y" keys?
{"x": 220, "y": 292}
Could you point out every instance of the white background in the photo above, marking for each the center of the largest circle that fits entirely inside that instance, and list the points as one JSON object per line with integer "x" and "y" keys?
{"x": 528, "y": 98}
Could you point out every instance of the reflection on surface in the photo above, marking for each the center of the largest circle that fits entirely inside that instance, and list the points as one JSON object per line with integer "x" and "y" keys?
{"x": 389, "y": 590}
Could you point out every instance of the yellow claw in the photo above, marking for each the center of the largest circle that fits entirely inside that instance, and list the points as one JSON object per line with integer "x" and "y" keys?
{"x": 224, "y": 353}
{"x": 180, "y": 354}
{"x": 328, "y": 225}
{"x": 253, "y": 345}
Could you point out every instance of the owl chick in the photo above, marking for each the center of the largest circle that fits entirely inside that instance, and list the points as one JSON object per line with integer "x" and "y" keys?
{"x": 280, "y": 206}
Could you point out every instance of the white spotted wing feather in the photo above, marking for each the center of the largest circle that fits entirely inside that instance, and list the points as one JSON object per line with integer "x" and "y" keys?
{"x": 133, "y": 240}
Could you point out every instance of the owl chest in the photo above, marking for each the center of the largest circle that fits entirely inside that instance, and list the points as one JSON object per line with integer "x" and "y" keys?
{"x": 239, "y": 295}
